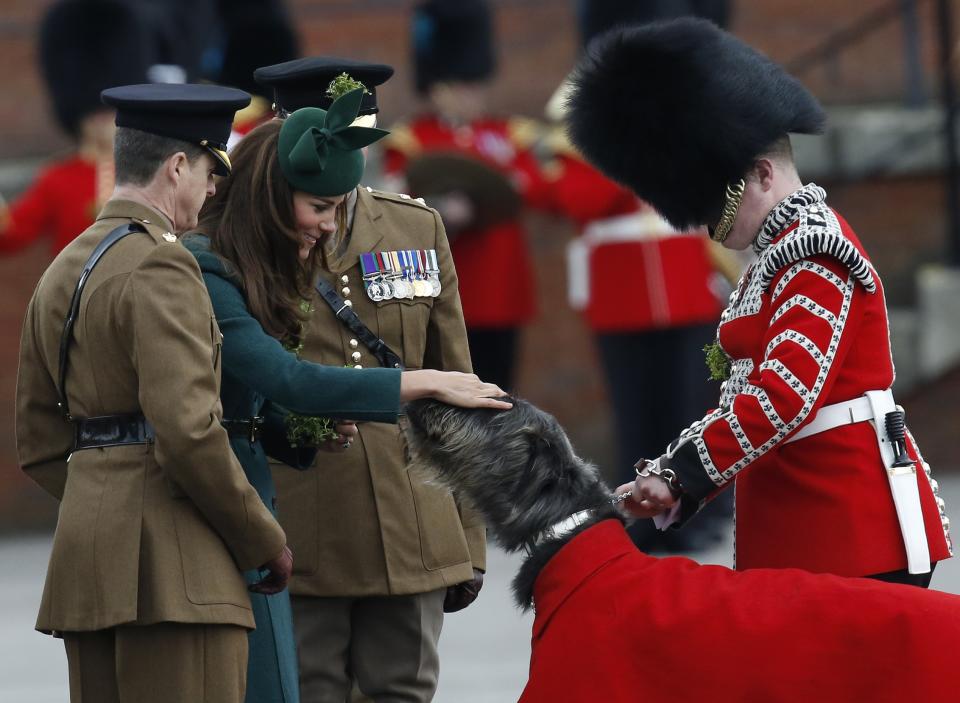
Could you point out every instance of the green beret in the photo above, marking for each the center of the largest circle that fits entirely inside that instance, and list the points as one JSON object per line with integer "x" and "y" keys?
{"x": 319, "y": 150}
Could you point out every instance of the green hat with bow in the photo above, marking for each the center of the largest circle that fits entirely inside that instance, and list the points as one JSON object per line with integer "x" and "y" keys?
{"x": 319, "y": 150}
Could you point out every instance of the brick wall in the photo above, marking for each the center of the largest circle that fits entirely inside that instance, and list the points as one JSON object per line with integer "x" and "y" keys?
{"x": 900, "y": 221}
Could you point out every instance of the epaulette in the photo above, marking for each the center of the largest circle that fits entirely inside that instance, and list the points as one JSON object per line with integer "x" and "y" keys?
{"x": 818, "y": 233}
{"x": 156, "y": 231}
{"x": 525, "y": 132}
{"x": 402, "y": 139}
{"x": 397, "y": 197}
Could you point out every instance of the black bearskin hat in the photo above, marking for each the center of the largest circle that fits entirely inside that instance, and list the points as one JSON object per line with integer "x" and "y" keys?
{"x": 678, "y": 110}
{"x": 257, "y": 34}
{"x": 87, "y": 46}
{"x": 452, "y": 41}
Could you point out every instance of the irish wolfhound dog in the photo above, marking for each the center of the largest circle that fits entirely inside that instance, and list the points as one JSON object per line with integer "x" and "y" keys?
{"x": 614, "y": 624}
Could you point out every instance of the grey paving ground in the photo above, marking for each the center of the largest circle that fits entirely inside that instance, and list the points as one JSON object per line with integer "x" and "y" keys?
{"x": 484, "y": 649}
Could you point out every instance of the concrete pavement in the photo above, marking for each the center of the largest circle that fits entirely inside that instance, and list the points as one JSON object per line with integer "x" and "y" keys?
{"x": 484, "y": 649}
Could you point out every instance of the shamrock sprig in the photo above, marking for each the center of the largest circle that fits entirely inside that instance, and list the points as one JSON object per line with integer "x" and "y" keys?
{"x": 717, "y": 361}
{"x": 306, "y": 430}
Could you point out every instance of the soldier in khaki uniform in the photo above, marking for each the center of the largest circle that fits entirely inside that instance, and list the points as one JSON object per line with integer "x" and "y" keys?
{"x": 156, "y": 517}
{"x": 381, "y": 553}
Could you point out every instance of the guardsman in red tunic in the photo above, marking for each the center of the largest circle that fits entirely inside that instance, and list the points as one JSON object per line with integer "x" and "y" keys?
{"x": 454, "y": 59}
{"x": 828, "y": 478}
{"x": 85, "y": 46}
{"x": 651, "y": 294}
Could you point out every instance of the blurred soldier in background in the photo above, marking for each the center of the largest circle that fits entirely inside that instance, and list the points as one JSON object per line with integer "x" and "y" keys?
{"x": 652, "y": 295}
{"x": 85, "y": 47}
{"x": 483, "y": 173}
{"x": 255, "y": 33}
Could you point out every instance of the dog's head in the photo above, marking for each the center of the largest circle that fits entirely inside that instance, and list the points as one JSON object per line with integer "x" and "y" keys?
{"x": 516, "y": 466}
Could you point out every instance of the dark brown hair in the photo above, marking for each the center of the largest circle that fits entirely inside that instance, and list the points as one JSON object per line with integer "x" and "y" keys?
{"x": 251, "y": 224}
{"x": 137, "y": 155}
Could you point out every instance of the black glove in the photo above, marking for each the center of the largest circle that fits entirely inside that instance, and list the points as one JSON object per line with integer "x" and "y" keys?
{"x": 463, "y": 594}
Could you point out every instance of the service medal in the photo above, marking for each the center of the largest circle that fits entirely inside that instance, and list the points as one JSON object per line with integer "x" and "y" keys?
{"x": 387, "y": 289}
{"x": 375, "y": 292}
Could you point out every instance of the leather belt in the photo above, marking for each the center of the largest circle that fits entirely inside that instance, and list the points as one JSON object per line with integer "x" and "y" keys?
{"x": 848, "y": 412}
{"x": 112, "y": 431}
{"x": 874, "y": 406}
{"x": 247, "y": 427}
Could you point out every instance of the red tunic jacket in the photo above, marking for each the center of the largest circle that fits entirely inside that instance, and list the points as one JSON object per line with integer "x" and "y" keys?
{"x": 494, "y": 267}
{"x": 60, "y": 204}
{"x": 629, "y": 271}
{"x": 613, "y": 624}
{"x": 807, "y": 327}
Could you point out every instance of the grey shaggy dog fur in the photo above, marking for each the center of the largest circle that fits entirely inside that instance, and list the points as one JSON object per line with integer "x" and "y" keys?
{"x": 517, "y": 467}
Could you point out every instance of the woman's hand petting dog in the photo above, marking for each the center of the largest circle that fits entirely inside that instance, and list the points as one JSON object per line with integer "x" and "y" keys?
{"x": 463, "y": 594}
{"x": 451, "y": 387}
{"x": 650, "y": 496}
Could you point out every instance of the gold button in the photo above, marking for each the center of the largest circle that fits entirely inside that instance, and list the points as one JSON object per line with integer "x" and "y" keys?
{"x": 358, "y": 366}
{"x": 344, "y": 291}
{"x": 344, "y": 280}
{"x": 355, "y": 356}
{"x": 348, "y": 303}
{"x": 354, "y": 344}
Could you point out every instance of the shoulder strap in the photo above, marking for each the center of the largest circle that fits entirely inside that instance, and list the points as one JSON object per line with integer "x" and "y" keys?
{"x": 384, "y": 354}
{"x": 65, "y": 338}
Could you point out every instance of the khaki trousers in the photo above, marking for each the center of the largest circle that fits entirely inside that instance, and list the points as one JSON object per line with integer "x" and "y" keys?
{"x": 162, "y": 663}
{"x": 386, "y": 644}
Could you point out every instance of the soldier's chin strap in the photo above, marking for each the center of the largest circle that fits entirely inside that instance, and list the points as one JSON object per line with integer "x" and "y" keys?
{"x": 67, "y": 336}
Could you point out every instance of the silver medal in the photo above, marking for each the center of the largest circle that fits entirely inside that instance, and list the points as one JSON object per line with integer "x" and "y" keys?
{"x": 375, "y": 292}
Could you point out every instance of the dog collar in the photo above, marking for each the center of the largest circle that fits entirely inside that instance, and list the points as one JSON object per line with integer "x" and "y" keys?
{"x": 563, "y": 527}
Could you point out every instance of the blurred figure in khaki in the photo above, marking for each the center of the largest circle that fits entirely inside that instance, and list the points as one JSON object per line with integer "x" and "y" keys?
{"x": 385, "y": 553}
{"x": 455, "y": 60}
{"x": 85, "y": 47}
{"x": 156, "y": 517}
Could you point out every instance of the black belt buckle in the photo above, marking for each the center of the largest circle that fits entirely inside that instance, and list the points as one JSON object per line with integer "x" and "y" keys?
{"x": 112, "y": 431}
{"x": 248, "y": 428}
{"x": 256, "y": 422}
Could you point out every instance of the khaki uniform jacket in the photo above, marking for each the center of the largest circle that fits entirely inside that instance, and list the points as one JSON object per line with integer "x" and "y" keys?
{"x": 361, "y": 523}
{"x": 146, "y": 533}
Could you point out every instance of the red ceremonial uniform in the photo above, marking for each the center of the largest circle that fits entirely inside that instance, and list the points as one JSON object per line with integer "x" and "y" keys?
{"x": 806, "y": 328}
{"x": 614, "y": 624}
{"x": 60, "y": 204}
{"x": 493, "y": 265}
{"x": 629, "y": 270}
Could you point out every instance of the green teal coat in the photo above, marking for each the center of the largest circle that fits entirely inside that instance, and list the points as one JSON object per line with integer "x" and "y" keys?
{"x": 260, "y": 377}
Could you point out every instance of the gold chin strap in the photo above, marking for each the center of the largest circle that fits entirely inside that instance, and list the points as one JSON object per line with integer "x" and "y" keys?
{"x": 731, "y": 205}
{"x": 219, "y": 154}
{"x": 222, "y": 156}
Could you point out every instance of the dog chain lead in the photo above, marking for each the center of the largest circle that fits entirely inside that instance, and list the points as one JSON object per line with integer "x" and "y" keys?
{"x": 620, "y": 498}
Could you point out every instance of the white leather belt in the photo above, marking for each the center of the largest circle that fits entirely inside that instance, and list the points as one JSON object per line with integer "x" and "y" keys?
{"x": 641, "y": 226}
{"x": 873, "y": 407}
{"x": 848, "y": 412}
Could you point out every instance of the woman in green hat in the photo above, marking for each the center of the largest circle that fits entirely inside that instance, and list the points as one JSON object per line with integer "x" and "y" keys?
{"x": 260, "y": 242}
